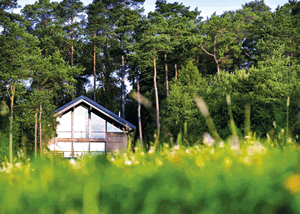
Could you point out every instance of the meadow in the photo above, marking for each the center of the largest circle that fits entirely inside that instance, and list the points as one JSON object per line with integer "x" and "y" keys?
{"x": 255, "y": 176}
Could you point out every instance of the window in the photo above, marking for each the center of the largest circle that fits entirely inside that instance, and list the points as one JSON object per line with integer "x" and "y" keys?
{"x": 79, "y": 148}
{"x": 65, "y": 147}
{"x": 80, "y": 124}
{"x": 112, "y": 128}
{"x": 64, "y": 127}
{"x": 97, "y": 126}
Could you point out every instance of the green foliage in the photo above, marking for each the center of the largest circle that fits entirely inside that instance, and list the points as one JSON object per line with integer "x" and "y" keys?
{"x": 180, "y": 107}
{"x": 265, "y": 87}
{"x": 259, "y": 180}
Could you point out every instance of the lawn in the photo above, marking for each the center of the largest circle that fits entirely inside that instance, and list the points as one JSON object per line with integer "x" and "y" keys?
{"x": 255, "y": 177}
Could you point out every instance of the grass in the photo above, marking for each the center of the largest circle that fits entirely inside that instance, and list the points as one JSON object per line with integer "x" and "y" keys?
{"x": 235, "y": 176}
{"x": 257, "y": 178}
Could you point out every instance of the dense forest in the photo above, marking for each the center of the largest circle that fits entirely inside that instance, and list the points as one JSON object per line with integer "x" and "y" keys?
{"x": 53, "y": 52}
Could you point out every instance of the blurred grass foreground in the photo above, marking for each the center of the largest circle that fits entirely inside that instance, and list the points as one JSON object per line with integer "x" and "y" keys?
{"x": 255, "y": 177}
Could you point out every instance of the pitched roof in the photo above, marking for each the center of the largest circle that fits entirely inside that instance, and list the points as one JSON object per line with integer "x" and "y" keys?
{"x": 95, "y": 106}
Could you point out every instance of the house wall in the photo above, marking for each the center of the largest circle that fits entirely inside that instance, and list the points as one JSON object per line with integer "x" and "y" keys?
{"x": 84, "y": 124}
{"x": 116, "y": 141}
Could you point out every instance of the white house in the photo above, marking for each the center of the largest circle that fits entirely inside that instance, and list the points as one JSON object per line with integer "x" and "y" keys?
{"x": 85, "y": 127}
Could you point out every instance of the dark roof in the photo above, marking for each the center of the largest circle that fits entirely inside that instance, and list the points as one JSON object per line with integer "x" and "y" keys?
{"x": 91, "y": 102}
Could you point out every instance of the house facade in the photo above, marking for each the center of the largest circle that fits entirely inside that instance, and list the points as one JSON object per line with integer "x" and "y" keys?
{"x": 86, "y": 127}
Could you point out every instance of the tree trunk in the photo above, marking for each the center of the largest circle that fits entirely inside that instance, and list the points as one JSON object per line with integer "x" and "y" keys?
{"x": 176, "y": 71}
{"x": 156, "y": 98}
{"x": 167, "y": 78}
{"x": 72, "y": 53}
{"x": 123, "y": 79}
{"x": 35, "y": 133}
{"x": 11, "y": 118}
{"x": 40, "y": 121}
{"x": 72, "y": 46}
{"x": 94, "y": 68}
{"x": 139, "y": 110}
{"x": 218, "y": 69}
{"x": 107, "y": 72}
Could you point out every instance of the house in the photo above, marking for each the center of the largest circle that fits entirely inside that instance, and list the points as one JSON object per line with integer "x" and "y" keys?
{"x": 85, "y": 127}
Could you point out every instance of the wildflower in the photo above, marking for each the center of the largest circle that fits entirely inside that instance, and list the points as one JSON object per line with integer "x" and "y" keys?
{"x": 18, "y": 165}
{"x": 128, "y": 162}
{"x": 112, "y": 159}
{"x": 187, "y": 151}
{"x": 176, "y": 147}
{"x": 199, "y": 162}
{"x": 197, "y": 147}
{"x": 221, "y": 144}
{"x": 158, "y": 162}
{"x": 235, "y": 147}
{"x": 256, "y": 148}
{"x": 151, "y": 150}
{"x": 227, "y": 162}
{"x": 293, "y": 184}
{"x": 142, "y": 153}
{"x": 208, "y": 140}
{"x": 212, "y": 151}
{"x": 247, "y": 160}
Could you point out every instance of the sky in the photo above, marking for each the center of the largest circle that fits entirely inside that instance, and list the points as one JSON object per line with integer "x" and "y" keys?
{"x": 207, "y": 7}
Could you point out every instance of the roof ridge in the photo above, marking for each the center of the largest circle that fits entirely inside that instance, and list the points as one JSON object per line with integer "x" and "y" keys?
{"x": 98, "y": 106}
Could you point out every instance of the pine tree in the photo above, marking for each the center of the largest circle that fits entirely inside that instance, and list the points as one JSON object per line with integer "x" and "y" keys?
{"x": 18, "y": 51}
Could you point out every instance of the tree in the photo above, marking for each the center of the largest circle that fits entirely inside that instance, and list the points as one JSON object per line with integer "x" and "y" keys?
{"x": 183, "y": 23}
{"x": 101, "y": 24}
{"x": 18, "y": 51}
{"x": 41, "y": 21}
{"x": 128, "y": 18}
{"x": 69, "y": 12}
{"x": 219, "y": 40}
{"x": 180, "y": 107}
{"x": 5, "y": 14}
{"x": 150, "y": 41}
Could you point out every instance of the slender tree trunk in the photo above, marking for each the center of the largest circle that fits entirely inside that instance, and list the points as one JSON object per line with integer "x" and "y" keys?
{"x": 72, "y": 53}
{"x": 72, "y": 45}
{"x": 107, "y": 70}
{"x": 123, "y": 79}
{"x": 218, "y": 69}
{"x": 156, "y": 98}
{"x": 40, "y": 121}
{"x": 94, "y": 68}
{"x": 139, "y": 110}
{"x": 35, "y": 133}
{"x": 176, "y": 72}
{"x": 11, "y": 118}
{"x": 167, "y": 77}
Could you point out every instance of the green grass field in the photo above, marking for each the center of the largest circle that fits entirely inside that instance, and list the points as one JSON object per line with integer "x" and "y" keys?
{"x": 255, "y": 178}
